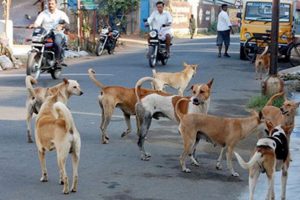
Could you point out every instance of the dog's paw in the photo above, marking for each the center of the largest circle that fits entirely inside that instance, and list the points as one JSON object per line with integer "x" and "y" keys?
{"x": 145, "y": 156}
{"x": 66, "y": 191}
{"x": 73, "y": 190}
{"x": 44, "y": 179}
{"x": 186, "y": 170}
{"x": 196, "y": 164}
{"x": 125, "y": 133}
{"x": 219, "y": 166}
{"x": 30, "y": 140}
{"x": 235, "y": 174}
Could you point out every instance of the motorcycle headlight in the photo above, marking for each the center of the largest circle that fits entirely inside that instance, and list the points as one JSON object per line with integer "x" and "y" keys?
{"x": 284, "y": 37}
{"x": 247, "y": 35}
{"x": 36, "y": 39}
{"x": 152, "y": 34}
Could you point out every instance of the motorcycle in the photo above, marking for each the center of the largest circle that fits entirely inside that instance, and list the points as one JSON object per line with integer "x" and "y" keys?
{"x": 108, "y": 40}
{"x": 41, "y": 58}
{"x": 157, "y": 50}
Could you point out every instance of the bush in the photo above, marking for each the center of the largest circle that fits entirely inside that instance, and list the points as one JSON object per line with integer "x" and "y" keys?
{"x": 212, "y": 28}
{"x": 258, "y": 102}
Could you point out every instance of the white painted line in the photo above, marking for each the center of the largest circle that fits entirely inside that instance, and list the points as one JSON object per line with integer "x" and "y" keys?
{"x": 94, "y": 114}
{"x": 63, "y": 74}
{"x": 202, "y": 43}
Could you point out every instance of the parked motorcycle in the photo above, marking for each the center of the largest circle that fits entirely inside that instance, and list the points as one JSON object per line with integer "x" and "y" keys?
{"x": 41, "y": 58}
{"x": 108, "y": 40}
{"x": 157, "y": 50}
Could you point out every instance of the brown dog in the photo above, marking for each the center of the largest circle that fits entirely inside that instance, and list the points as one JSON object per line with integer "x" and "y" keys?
{"x": 115, "y": 96}
{"x": 161, "y": 104}
{"x": 262, "y": 63}
{"x": 177, "y": 80}
{"x": 272, "y": 154}
{"x": 55, "y": 129}
{"x": 226, "y": 132}
{"x": 37, "y": 96}
{"x": 284, "y": 116}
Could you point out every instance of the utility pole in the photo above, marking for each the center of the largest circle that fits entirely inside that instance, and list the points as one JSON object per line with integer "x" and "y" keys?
{"x": 273, "y": 84}
{"x": 78, "y": 25}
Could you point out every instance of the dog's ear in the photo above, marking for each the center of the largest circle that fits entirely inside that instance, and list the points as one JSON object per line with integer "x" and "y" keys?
{"x": 185, "y": 64}
{"x": 65, "y": 81}
{"x": 209, "y": 84}
{"x": 269, "y": 125}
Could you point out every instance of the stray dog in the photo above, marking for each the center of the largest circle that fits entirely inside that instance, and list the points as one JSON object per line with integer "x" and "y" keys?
{"x": 262, "y": 63}
{"x": 226, "y": 132}
{"x": 115, "y": 96}
{"x": 272, "y": 154}
{"x": 162, "y": 105}
{"x": 37, "y": 96}
{"x": 285, "y": 115}
{"x": 55, "y": 129}
{"x": 178, "y": 80}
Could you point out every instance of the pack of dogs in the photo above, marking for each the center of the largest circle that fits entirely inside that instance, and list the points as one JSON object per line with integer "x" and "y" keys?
{"x": 55, "y": 128}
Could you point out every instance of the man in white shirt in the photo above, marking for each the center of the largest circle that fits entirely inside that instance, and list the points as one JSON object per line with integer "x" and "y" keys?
{"x": 49, "y": 19}
{"x": 224, "y": 27}
{"x": 161, "y": 20}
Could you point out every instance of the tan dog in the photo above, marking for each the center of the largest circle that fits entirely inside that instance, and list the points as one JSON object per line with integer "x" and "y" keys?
{"x": 37, "y": 96}
{"x": 284, "y": 116}
{"x": 271, "y": 154}
{"x": 177, "y": 80}
{"x": 55, "y": 129}
{"x": 262, "y": 63}
{"x": 162, "y": 104}
{"x": 115, "y": 96}
{"x": 226, "y": 132}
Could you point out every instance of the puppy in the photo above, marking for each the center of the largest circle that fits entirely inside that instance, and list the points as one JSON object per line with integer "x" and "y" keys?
{"x": 36, "y": 97}
{"x": 160, "y": 104}
{"x": 262, "y": 63}
{"x": 178, "y": 80}
{"x": 115, "y": 96}
{"x": 226, "y": 132}
{"x": 55, "y": 129}
{"x": 271, "y": 154}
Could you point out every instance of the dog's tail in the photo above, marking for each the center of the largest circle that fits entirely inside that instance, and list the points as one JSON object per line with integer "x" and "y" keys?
{"x": 246, "y": 165}
{"x": 29, "y": 80}
{"x": 177, "y": 110}
{"x": 270, "y": 101}
{"x": 93, "y": 78}
{"x": 264, "y": 52}
{"x": 139, "y": 84}
{"x": 62, "y": 112}
{"x": 154, "y": 73}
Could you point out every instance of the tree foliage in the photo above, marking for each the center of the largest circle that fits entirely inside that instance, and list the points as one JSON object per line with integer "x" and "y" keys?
{"x": 115, "y": 7}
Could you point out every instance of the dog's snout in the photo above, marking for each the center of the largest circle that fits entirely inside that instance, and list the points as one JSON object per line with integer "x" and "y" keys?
{"x": 81, "y": 93}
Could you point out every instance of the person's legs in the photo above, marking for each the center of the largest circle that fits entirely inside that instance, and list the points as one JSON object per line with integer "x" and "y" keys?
{"x": 168, "y": 43}
{"x": 58, "y": 40}
{"x": 219, "y": 42}
{"x": 226, "y": 42}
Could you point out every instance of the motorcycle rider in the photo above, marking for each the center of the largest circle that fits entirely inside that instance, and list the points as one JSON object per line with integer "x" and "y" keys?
{"x": 162, "y": 18}
{"x": 49, "y": 19}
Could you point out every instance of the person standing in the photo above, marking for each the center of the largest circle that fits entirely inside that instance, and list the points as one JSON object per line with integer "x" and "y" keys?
{"x": 224, "y": 27}
{"x": 192, "y": 26}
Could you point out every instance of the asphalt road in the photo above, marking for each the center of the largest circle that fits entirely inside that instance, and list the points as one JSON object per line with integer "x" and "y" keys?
{"x": 115, "y": 171}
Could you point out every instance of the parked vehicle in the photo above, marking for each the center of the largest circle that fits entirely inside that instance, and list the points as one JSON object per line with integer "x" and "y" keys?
{"x": 256, "y": 27}
{"x": 41, "y": 58}
{"x": 108, "y": 40}
{"x": 157, "y": 50}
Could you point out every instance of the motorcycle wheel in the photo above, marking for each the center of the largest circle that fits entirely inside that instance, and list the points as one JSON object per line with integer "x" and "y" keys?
{"x": 55, "y": 74}
{"x": 152, "y": 57}
{"x": 164, "y": 61}
{"x": 100, "y": 48}
{"x": 32, "y": 66}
